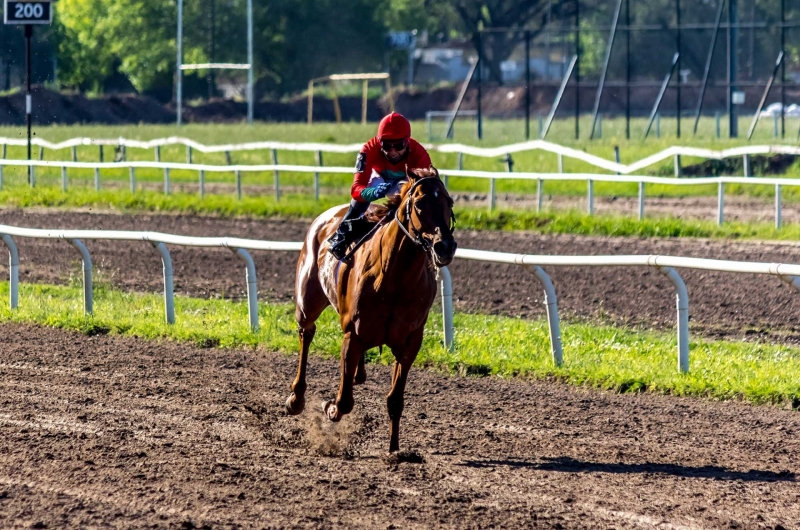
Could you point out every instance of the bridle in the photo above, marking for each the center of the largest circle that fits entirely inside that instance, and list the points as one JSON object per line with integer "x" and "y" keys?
{"x": 417, "y": 238}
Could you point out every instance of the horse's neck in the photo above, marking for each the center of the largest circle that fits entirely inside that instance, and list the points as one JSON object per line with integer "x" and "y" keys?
{"x": 401, "y": 258}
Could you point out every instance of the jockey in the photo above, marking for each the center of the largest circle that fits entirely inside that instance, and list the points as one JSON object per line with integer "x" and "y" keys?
{"x": 380, "y": 170}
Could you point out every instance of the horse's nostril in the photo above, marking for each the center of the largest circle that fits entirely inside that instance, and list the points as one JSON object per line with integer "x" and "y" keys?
{"x": 445, "y": 247}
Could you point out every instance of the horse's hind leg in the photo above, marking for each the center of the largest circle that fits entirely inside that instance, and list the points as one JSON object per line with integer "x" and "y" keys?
{"x": 352, "y": 352}
{"x": 361, "y": 371}
{"x": 395, "y": 401}
{"x": 308, "y": 310}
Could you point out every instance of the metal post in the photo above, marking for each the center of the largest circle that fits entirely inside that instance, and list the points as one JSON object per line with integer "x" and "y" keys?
{"x": 132, "y": 178}
{"x": 1, "y": 177}
{"x": 775, "y": 129}
{"x": 250, "y": 95}
{"x": 228, "y": 158}
{"x": 682, "y": 303}
{"x": 364, "y": 96}
{"x": 764, "y": 96}
{"x": 13, "y": 270}
{"x": 733, "y": 118}
{"x": 628, "y": 69}
{"x": 718, "y": 120}
{"x": 74, "y": 153}
{"x": 616, "y": 156}
{"x": 590, "y": 197}
{"x": 540, "y": 123}
{"x": 604, "y": 69}
{"x": 252, "y": 287}
{"x": 707, "y": 68}
{"x": 64, "y": 178}
{"x": 746, "y": 165}
{"x": 166, "y": 180}
{"x": 169, "y": 294}
{"x": 188, "y": 154}
{"x": 41, "y": 153}
{"x": 783, "y": 70}
{"x": 446, "y": 284}
{"x": 560, "y": 163}
{"x": 87, "y": 274}
{"x": 238, "y": 175}
{"x": 274, "y": 157}
{"x": 178, "y": 71}
{"x": 678, "y": 51}
{"x": 28, "y": 97}
{"x": 559, "y": 95}
{"x": 551, "y": 305}
{"x": 778, "y": 204}
{"x": 480, "y": 85}
{"x": 32, "y": 176}
{"x": 720, "y": 203}
{"x": 318, "y": 160}
{"x": 677, "y": 166}
{"x": 97, "y": 179}
{"x": 641, "y": 201}
{"x": 491, "y": 194}
{"x": 202, "y": 178}
{"x": 539, "y": 191}
{"x": 100, "y": 151}
{"x": 660, "y": 96}
{"x": 460, "y": 161}
{"x": 158, "y": 153}
{"x": 528, "y": 85}
{"x": 577, "y": 68}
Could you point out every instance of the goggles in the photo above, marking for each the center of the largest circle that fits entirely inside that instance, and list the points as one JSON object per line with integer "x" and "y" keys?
{"x": 388, "y": 145}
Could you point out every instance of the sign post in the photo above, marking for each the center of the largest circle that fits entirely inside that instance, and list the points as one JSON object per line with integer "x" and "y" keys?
{"x": 28, "y": 13}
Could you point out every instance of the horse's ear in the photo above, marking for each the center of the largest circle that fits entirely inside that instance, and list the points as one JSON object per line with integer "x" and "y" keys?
{"x": 422, "y": 172}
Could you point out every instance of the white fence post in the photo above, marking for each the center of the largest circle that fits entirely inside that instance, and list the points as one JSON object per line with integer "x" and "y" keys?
{"x": 252, "y": 288}
{"x": 682, "y": 302}
{"x": 238, "y": 175}
{"x": 446, "y": 285}
{"x": 13, "y": 270}
{"x": 166, "y": 180}
{"x": 746, "y": 165}
{"x": 169, "y": 293}
{"x": 32, "y": 176}
{"x": 274, "y": 157}
{"x": 64, "y": 182}
{"x": 551, "y": 305}
{"x": 318, "y": 159}
{"x": 132, "y": 177}
{"x": 188, "y": 154}
{"x": 97, "y": 178}
{"x": 88, "y": 303}
{"x": 778, "y": 203}
{"x": 678, "y": 168}
{"x": 590, "y": 196}
{"x": 720, "y": 203}
{"x": 641, "y": 200}
{"x": 539, "y": 191}
{"x": 1, "y": 177}
{"x": 202, "y": 183}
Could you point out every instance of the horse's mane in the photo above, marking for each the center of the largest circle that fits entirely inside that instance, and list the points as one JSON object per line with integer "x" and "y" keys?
{"x": 377, "y": 212}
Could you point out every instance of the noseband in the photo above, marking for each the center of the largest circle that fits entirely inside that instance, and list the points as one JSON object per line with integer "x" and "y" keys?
{"x": 417, "y": 238}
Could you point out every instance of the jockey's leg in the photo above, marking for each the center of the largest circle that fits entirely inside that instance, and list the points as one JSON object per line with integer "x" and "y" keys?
{"x": 339, "y": 240}
{"x": 404, "y": 357}
{"x": 352, "y": 350}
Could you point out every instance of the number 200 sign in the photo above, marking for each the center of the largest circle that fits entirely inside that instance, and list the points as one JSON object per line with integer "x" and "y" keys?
{"x": 27, "y": 12}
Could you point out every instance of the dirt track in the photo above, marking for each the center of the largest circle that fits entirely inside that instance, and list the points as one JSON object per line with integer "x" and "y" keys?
{"x": 721, "y": 304}
{"x": 116, "y": 432}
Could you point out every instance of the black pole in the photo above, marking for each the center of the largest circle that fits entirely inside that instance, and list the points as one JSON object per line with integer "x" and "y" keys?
{"x": 678, "y": 51}
{"x": 733, "y": 120}
{"x": 628, "y": 69}
{"x": 577, "y": 68}
{"x": 707, "y": 69}
{"x": 480, "y": 85}
{"x": 783, "y": 70}
{"x": 528, "y": 85}
{"x": 212, "y": 22}
{"x": 28, "y": 103}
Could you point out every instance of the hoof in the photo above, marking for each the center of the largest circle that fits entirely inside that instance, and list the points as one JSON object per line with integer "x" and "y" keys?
{"x": 294, "y": 406}
{"x": 329, "y": 408}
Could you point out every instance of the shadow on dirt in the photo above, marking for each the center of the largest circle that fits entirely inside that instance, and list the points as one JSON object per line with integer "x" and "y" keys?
{"x": 570, "y": 465}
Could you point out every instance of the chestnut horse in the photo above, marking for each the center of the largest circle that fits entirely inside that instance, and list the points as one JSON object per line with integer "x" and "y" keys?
{"x": 382, "y": 293}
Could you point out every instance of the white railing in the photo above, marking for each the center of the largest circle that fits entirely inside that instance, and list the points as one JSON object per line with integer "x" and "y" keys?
{"x": 540, "y": 178}
{"x": 674, "y": 152}
{"x": 534, "y": 263}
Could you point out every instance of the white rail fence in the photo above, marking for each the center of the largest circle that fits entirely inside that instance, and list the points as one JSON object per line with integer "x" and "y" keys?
{"x": 533, "y": 263}
{"x": 674, "y": 152}
{"x": 492, "y": 177}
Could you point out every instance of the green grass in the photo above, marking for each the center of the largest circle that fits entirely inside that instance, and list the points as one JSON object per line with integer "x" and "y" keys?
{"x": 594, "y": 355}
{"x": 303, "y": 207}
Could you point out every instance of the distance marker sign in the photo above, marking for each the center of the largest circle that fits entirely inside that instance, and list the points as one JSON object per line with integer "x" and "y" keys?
{"x": 27, "y": 12}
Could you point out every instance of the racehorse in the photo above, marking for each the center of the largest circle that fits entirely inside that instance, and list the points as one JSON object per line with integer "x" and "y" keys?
{"x": 382, "y": 291}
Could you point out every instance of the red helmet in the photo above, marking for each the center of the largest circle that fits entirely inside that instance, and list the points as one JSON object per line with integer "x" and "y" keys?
{"x": 394, "y": 126}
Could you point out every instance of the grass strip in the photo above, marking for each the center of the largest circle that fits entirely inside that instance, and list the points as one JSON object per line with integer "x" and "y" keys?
{"x": 601, "y": 356}
{"x": 303, "y": 207}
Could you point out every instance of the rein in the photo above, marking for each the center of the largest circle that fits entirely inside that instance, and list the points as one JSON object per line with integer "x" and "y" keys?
{"x": 417, "y": 238}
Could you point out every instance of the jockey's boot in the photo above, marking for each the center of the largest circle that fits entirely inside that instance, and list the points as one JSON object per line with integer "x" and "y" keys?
{"x": 339, "y": 240}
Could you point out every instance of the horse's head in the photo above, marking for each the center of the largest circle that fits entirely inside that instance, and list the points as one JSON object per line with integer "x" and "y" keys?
{"x": 428, "y": 210}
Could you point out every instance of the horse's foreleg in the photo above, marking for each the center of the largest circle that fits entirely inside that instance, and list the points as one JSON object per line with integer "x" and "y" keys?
{"x": 352, "y": 351}
{"x": 395, "y": 401}
{"x": 361, "y": 371}
{"x": 297, "y": 400}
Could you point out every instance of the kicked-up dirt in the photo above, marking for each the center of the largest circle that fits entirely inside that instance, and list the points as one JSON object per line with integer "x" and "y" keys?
{"x": 721, "y": 304}
{"x": 117, "y": 432}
